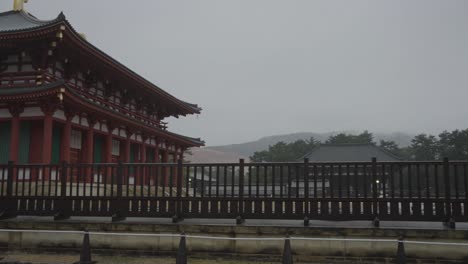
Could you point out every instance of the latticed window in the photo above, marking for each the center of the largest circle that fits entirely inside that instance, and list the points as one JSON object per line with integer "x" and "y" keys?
{"x": 115, "y": 147}
{"x": 75, "y": 139}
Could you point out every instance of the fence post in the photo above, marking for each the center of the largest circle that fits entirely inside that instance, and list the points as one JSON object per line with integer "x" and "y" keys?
{"x": 375, "y": 194}
{"x": 63, "y": 207}
{"x": 401, "y": 255}
{"x": 182, "y": 251}
{"x": 85, "y": 256}
{"x": 8, "y": 205}
{"x": 120, "y": 209}
{"x": 240, "y": 207}
{"x": 287, "y": 253}
{"x": 178, "y": 206}
{"x": 306, "y": 192}
{"x": 448, "y": 205}
{"x": 11, "y": 176}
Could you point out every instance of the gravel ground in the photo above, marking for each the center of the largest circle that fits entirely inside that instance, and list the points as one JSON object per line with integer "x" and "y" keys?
{"x": 20, "y": 257}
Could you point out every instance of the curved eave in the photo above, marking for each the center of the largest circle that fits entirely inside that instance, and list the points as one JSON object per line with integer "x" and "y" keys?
{"x": 39, "y": 24}
{"x": 28, "y": 93}
{"x": 50, "y": 26}
{"x": 152, "y": 88}
{"x": 74, "y": 98}
{"x": 25, "y": 94}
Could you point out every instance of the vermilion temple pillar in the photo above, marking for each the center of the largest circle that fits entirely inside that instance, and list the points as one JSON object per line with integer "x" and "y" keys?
{"x": 126, "y": 157}
{"x": 15, "y": 111}
{"x": 143, "y": 159}
{"x": 165, "y": 159}
{"x": 48, "y": 108}
{"x": 165, "y": 156}
{"x": 66, "y": 138}
{"x": 156, "y": 151}
{"x": 127, "y": 149}
{"x": 47, "y": 139}
{"x": 14, "y": 142}
{"x": 175, "y": 174}
{"x": 108, "y": 151}
{"x": 108, "y": 144}
{"x": 143, "y": 151}
{"x": 89, "y": 148}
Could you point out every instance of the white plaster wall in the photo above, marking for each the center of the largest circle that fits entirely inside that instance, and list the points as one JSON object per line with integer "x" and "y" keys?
{"x": 4, "y": 112}
{"x": 59, "y": 114}
{"x": 84, "y": 122}
{"x": 76, "y": 120}
{"x": 32, "y": 112}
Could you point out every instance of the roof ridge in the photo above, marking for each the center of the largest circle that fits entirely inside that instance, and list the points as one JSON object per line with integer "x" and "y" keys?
{"x": 8, "y": 12}
{"x": 33, "y": 19}
{"x": 32, "y": 22}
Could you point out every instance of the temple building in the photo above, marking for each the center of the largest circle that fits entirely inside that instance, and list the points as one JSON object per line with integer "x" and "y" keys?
{"x": 63, "y": 99}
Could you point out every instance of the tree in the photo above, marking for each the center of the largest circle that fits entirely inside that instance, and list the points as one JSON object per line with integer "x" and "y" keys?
{"x": 390, "y": 146}
{"x": 285, "y": 151}
{"x": 343, "y": 138}
{"x": 454, "y": 145}
{"x": 425, "y": 147}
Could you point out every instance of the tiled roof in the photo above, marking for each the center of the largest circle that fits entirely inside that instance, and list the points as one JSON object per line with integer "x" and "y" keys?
{"x": 21, "y": 20}
{"x": 349, "y": 152}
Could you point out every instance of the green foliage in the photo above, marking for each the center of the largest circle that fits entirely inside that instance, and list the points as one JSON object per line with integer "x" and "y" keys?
{"x": 453, "y": 145}
{"x": 405, "y": 153}
{"x": 390, "y": 146}
{"x": 343, "y": 138}
{"x": 425, "y": 147}
{"x": 285, "y": 152}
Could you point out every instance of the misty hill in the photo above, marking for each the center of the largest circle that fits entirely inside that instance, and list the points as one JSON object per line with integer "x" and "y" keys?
{"x": 247, "y": 149}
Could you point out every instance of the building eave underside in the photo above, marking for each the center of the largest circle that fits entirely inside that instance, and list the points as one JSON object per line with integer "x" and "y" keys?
{"x": 75, "y": 99}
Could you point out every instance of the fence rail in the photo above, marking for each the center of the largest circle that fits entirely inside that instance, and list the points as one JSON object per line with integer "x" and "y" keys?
{"x": 408, "y": 191}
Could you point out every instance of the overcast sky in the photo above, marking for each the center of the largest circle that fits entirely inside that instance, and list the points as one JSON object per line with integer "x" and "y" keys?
{"x": 265, "y": 67}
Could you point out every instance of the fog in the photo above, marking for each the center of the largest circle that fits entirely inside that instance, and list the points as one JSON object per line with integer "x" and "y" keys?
{"x": 266, "y": 67}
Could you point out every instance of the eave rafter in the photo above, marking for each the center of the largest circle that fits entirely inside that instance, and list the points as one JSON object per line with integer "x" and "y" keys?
{"x": 60, "y": 94}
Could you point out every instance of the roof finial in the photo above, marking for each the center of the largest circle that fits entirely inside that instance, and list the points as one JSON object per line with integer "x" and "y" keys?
{"x": 18, "y": 5}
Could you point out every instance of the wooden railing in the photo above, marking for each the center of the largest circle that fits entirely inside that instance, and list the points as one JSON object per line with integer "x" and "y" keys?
{"x": 374, "y": 191}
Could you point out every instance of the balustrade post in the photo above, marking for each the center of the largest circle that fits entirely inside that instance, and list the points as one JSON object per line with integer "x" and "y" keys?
{"x": 178, "y": 206}
{"x": 449, "y": 221}
{"x": 120, "y": 205}
{"x": 306, "y": 192}
{"x": 375, "y": 194}
{"x": 240, "y": 207}
{"x": 119, "y": 179}
{"x": 63, "y": 206}
{"x": 11, "y": 177}
{"x": 8, "y": 204}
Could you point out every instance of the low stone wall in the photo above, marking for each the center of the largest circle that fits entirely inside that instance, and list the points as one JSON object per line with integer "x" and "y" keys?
{"x": 302, "y": 249}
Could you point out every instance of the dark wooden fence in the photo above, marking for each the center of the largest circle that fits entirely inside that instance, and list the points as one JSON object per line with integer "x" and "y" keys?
{"x": 419, "y": 191}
